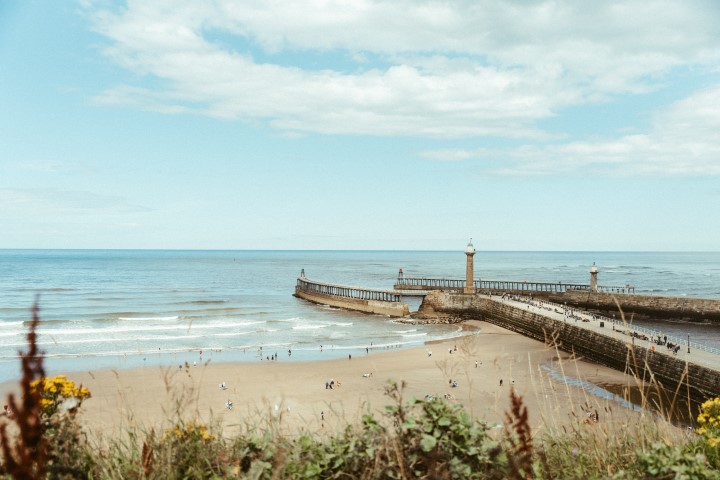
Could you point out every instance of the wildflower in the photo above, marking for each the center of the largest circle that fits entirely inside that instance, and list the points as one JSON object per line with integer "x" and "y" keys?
{"x": 191, "y": 431}
{"x": 709, "y": 419}
{"x": 54, "y": 391}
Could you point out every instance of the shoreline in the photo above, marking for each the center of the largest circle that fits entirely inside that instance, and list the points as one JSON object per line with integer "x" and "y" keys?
{"x": 294, "y": 394}
{"x": 128, "y": 360}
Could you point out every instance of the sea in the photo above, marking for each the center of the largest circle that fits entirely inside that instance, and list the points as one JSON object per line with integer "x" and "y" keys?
{"x": 129, "y": 308}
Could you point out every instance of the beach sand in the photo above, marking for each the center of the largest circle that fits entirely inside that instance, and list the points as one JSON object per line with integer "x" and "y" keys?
{"x": 292, "y": 396}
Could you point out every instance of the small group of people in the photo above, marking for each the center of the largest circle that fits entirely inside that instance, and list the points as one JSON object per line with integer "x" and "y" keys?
{"x": 222, "y": 386}
{"x": 331, "y": 384}
{"x": 453, "y": 383}
{"x": 367, "y": 375}
{"x": 672, "y": 347}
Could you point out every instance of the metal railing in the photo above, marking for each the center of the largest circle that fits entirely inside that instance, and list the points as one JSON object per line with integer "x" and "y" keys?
{"x": 506, "y": 285}
{"x": 345, "y": 291}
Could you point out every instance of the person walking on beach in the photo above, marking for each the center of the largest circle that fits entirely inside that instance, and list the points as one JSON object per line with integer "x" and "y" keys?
{"x": 501, "y": 382}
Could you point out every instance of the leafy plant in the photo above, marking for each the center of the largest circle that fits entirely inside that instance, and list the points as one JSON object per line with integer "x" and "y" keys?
{"x": 57, "y": 392}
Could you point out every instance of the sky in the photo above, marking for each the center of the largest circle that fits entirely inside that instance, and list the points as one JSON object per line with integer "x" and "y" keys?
{"x": 397, "y": 125}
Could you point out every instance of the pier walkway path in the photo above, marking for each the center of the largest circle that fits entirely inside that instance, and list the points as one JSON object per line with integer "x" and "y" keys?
{"x": 689, "y": 351}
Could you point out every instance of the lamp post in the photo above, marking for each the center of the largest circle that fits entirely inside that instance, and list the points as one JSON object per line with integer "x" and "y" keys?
{"x": 688, "y": 343}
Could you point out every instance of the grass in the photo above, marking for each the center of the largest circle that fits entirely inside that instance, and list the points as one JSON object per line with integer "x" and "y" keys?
{"x": 413, "y": 438}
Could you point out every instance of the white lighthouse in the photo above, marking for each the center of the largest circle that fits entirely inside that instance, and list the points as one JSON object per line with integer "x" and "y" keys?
{"x": 593, "y": 278}
{"x": 469, "y": 252}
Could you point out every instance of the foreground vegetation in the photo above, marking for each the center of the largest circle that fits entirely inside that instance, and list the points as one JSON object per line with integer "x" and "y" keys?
{"x": 428, "y": 438}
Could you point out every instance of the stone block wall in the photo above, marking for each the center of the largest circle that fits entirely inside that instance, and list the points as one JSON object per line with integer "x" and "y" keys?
{"x": 678, "y": 308}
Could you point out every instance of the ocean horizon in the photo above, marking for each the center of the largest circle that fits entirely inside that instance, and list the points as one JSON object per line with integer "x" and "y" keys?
{"x": 127, "y": 308}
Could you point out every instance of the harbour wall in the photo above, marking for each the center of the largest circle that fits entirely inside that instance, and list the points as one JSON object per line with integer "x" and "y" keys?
{"x": 675, "y": 308}
{"x": 672, "y": 373}
{"x": 700, "y": 310}
{"x": 393, "y": 309}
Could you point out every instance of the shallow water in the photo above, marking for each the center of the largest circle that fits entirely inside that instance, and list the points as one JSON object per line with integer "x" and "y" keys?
{"x": 122, "y": 309}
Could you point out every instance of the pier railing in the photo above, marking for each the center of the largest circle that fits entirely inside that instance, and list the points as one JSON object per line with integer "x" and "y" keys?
{"x": 517, "y": 286}
{"x": 528, "y": 286}
{"x": 359, "y": 293}
{"x": 682, "y": 342}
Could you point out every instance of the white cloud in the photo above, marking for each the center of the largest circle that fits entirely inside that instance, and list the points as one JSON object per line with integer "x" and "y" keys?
{"x": 684, "y": 140}
{"x": 448, "y": 69}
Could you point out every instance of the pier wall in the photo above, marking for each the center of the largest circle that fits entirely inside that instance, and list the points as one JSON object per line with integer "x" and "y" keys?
{"x": 699, "y": 381}
{"x": 675, "y": 308}
{"x": 700, "y": 310}
{"x": 393, "y": 309}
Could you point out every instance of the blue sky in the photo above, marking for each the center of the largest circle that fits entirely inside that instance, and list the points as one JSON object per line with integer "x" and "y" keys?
{"x": 533, "y": 125}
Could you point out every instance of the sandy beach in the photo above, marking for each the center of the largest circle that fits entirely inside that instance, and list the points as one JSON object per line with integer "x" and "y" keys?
{"x": 293, "y": 395}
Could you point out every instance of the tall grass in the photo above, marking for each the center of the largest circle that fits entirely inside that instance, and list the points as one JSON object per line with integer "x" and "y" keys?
{"x": 413, "y": 438}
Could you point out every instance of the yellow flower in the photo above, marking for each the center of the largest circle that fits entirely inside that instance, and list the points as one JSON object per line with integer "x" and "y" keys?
{"x": 190, "y": 431}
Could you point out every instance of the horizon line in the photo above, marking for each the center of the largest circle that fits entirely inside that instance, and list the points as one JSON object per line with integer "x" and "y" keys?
{"x": 340, "y": 250}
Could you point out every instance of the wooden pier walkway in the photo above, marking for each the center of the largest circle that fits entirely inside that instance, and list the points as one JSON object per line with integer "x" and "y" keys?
{"x": 358, "y": 293}
{"x": 368, "y": 300}
{"x": 420, "y": 283}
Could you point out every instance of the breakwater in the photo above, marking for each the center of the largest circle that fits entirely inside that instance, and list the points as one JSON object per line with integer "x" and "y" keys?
{"x": 649, "y": 306}
{"x": 691, "y": 374}
{"x": 381, "y": 302}
{"x": 609, "y": 300}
